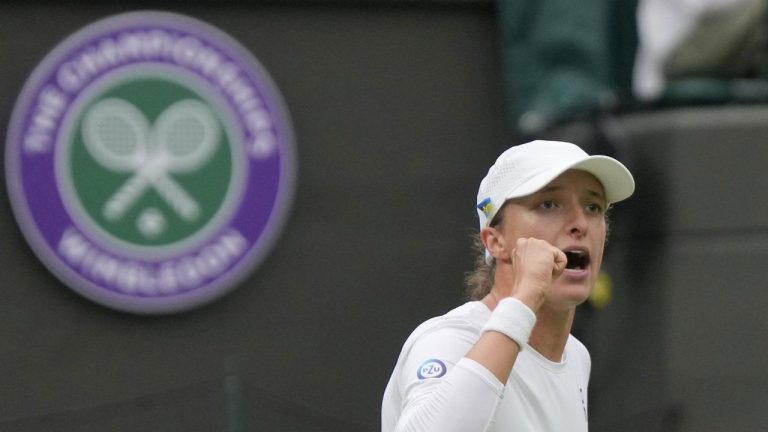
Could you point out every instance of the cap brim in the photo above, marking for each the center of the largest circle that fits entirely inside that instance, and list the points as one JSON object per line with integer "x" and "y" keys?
{"x": 616, "y": 179}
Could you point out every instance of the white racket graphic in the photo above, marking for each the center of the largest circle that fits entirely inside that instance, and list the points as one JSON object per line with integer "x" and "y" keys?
{"x": 119, "y": 137}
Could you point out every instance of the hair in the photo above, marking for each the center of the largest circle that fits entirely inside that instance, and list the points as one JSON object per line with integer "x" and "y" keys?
{"x": 480, "y": 280}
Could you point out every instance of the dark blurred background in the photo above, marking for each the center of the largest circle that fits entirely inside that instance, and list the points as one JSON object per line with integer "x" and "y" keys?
{"x": 399, "y": 107}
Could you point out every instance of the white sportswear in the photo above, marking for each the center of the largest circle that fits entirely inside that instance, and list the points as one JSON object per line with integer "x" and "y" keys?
{"x": 433, "y": 388}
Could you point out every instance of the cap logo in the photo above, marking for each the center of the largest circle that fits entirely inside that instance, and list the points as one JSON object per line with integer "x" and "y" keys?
{"x": 485, "y": 206}
{"x": 150, "y": 162}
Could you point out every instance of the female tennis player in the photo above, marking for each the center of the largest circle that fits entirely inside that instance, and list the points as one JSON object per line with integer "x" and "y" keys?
{"x": 505, "y": 360}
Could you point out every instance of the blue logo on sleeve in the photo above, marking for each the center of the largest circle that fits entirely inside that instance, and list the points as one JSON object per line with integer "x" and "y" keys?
{"x": 432, "y": 368}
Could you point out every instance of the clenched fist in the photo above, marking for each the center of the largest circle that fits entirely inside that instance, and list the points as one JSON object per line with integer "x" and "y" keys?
{"x": 535, "y": 266}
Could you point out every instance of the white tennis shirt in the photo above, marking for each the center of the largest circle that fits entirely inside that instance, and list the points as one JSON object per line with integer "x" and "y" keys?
{"x": 433, "y": 388}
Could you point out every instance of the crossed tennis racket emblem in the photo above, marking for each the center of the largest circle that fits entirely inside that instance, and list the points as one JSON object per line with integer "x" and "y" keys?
{"x": 120, "y": 138}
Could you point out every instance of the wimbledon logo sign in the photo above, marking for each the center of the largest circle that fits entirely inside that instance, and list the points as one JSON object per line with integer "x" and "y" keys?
{"x": 150, "y": 162}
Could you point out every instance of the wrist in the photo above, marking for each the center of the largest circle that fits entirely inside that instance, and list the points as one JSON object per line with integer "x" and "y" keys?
{"x": 531, "y": 291}
{"x": 514, "y": 319}
{"x": 532, "y": 301}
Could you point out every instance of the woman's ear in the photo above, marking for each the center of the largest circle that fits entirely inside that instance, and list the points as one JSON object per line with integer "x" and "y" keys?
{"x": 494, "y": 242}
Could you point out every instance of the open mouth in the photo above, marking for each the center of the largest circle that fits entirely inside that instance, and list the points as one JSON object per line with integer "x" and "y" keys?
{"x": 577, "y": 259}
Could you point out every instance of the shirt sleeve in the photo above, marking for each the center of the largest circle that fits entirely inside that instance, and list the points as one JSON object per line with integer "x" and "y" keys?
{"x": 443, "y": 391}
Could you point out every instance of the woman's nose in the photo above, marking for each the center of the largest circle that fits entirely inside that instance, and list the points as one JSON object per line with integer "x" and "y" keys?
{"x": 577, "y": 224}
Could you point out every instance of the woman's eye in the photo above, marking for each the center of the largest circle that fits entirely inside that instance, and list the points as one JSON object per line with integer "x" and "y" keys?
{"x": 595, "y": 208}
{"x": 548, "y": 204}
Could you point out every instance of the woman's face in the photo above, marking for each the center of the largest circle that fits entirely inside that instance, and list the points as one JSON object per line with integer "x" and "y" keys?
{"x": 568, "y": 213}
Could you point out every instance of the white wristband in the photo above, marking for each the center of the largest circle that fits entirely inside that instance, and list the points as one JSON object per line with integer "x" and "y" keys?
{"x": 513, "y": 319}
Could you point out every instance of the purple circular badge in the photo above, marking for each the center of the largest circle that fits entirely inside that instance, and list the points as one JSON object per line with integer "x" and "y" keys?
{"x": 150, "y": 162}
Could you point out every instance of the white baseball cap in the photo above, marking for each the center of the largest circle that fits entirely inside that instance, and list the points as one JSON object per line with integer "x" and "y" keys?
{"x": 526, "y": 168}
